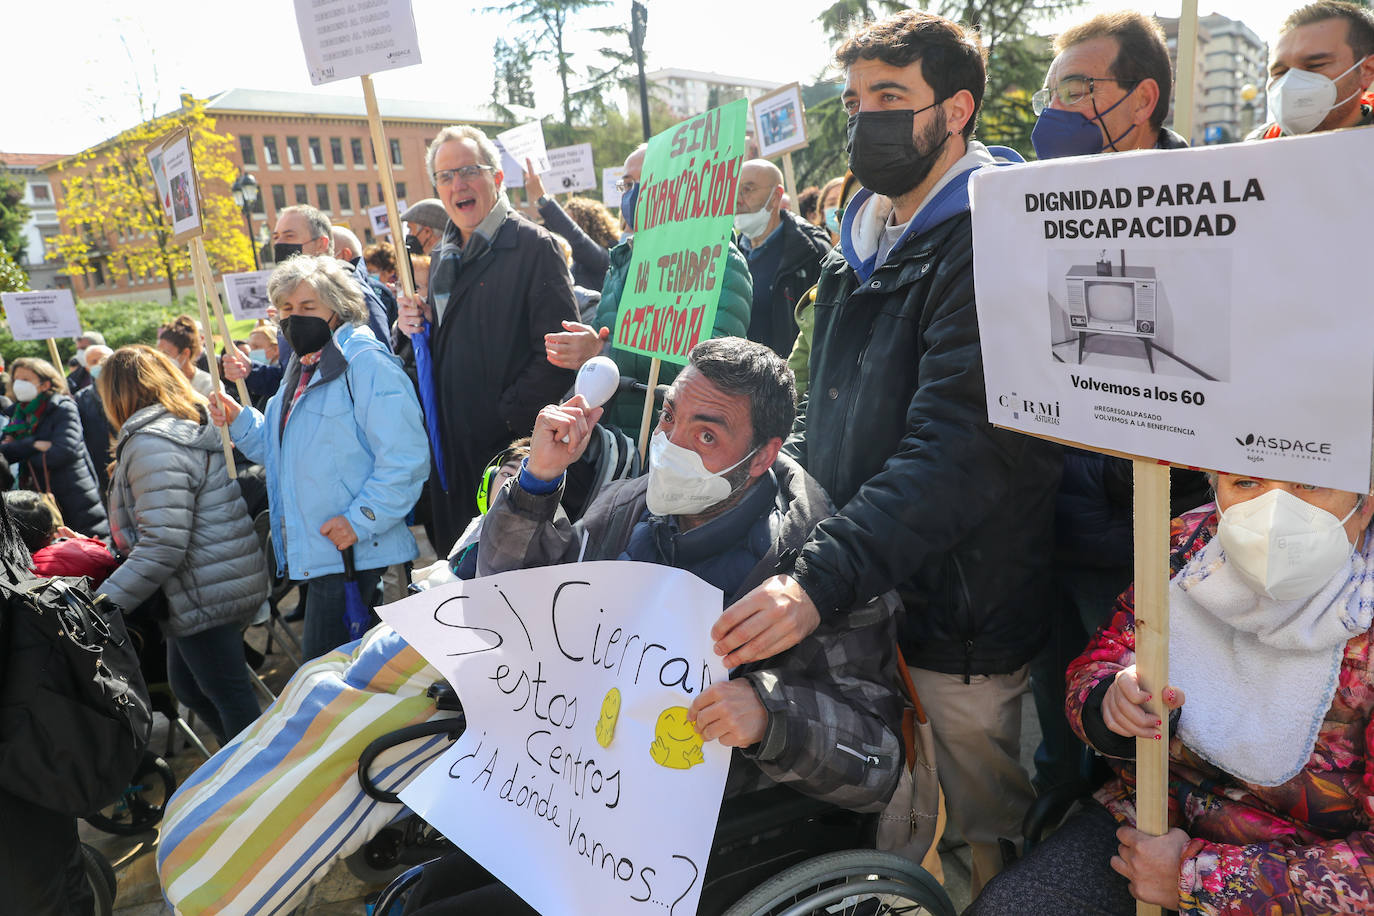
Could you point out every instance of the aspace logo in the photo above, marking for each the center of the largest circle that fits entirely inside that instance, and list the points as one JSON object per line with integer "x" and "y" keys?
{"x": 1259, "y": 446}
{"x": 1041, "y": 411}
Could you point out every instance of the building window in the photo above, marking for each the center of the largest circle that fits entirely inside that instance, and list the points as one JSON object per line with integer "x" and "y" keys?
{"x": 269, "y": 151}
{"x": 336, "y": 150}
{"x": 250, "y": 155}
{"x": 395, "y": 152}
{"x": 322, "y": 194}
{"x": 345, "y": 198}
{"x": 400, "y": 190}
{"x": 301, "y": 196}
{"x": 278, "y": 197}
{"x": 293, "y": 150}
{"x": 356, "y": 145}
{"x": 364, "y": 201}
{"x": 257, "y": 205}
{"x": 42, "y": 192}
{"x": 316, "y": 153}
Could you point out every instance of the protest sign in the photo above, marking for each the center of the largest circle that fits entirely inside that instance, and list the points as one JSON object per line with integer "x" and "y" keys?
{"x": 579, "y": 782}
{"x": 684, "y": 218}
{"x": 1184, "y": 306}
{"x": 347, "y": 38}
{"x": 780, "y": 121}
{"x": 182, "y": 195}
{"x": 610, "y": 194}
{"x": 164, "y": 198}
{"x": 570, "y": 169}
{"x": 247, "y": 293}
{"x": 377, "y": 217}
{"x": 517, "y": 145}
{"x": 42, "y": 315}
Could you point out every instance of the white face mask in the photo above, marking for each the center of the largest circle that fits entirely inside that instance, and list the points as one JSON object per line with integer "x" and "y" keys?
{"x": 1282, "y": 546}
{"x": 679, "y": 483}
{"x": 752, "y": 225}
{"x": 24, "y": 390}
{"x": 1300, "y": 99}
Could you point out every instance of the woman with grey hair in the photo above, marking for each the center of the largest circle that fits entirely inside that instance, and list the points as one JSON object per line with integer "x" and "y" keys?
{"x": 341, "y": 441}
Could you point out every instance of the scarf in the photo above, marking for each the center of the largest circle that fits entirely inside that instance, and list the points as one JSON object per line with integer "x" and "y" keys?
{"x": 453, "y": 254}
{"x": 26, "y": 416}
{"x": 1259, "y": 674}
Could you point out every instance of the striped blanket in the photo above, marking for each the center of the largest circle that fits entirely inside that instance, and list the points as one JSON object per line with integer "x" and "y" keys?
{"x": 261, "y": 822}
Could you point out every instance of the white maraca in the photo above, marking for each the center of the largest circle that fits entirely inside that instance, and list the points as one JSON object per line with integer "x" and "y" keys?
{"x": 596, "y": 381}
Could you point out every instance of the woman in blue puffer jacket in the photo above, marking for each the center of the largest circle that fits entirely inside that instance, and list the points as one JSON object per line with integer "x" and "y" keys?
{"x": 342, "y": 442}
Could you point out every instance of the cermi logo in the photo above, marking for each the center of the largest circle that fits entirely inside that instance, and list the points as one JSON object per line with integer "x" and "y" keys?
{"x": 1041, "y": 411}
{"x": 1260, "y": 445}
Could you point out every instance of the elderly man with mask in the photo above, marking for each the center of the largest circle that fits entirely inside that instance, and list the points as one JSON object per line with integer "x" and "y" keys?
{"x": 95, "y": 425}
{"x": 784, "y": 253}
{"x": 425, "y": 223}
{"x": 721, "y": 502}
{"x": 497, "y": 284}
{"x": 1321, "y": 70}
{"x": 303, "y": 229}
{"x": 577, "y": 342}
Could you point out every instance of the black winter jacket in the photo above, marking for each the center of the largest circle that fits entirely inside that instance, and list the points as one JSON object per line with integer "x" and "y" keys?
{"x": 95, "y": 429}
{"x": 804, "y": 246}
{"x": 953, "y": 513}
{"x": 68, "y": 467}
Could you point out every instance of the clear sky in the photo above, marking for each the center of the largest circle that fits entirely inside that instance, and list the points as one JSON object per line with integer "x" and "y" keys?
{"x": 73, "y": 67}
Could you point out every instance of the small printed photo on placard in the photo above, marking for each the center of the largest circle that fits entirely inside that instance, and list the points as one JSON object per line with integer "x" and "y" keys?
{"x": 247, "y": 293}
{"x": 780, "y": 121}
{"x": 183, "y": 194}
{"x": 1156, "y": 312}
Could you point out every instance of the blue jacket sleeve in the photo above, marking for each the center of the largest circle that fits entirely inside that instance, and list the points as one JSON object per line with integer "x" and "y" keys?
{"x": 249, "y": 432}
{"x": 388, "y": 416}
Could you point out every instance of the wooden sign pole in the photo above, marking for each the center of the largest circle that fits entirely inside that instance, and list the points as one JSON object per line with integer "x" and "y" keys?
{"x": 382, "y": 153}
{"x": 1152, "y": 548}
{"x": 210, "y": 356}
{"x": 56, "y": 357}
{"x": 206, "y": 277}
{"x": 791, "y": 178}
{"x": 647, "y": 422}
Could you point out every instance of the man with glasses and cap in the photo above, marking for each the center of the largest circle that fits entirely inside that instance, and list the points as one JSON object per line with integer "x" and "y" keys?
{"x": 497, "y": 284}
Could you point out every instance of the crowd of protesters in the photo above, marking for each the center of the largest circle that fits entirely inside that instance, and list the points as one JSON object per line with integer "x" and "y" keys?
{"x": 835, "y": 424}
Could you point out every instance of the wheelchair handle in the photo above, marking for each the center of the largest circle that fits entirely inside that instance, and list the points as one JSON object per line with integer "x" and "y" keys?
{"x": 453, "y": 727}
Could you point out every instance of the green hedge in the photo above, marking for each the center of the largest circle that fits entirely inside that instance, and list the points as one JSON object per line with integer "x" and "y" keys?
{"x": 122, "y": 323}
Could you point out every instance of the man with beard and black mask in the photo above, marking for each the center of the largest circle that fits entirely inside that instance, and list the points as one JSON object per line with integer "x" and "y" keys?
{"x": 934, "y": 501}
{"x": 722, "y": 503}
{"x": 302, "y": 229}
{"x": 1321, "y": 70}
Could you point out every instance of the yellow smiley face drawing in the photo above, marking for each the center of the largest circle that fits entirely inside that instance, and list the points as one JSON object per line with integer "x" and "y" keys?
{"x": 610, "y": 713}
{"x": 677, "y": 745}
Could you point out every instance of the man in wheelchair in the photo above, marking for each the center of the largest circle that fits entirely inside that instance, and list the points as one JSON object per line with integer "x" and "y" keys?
{"x": 822, "y": 718}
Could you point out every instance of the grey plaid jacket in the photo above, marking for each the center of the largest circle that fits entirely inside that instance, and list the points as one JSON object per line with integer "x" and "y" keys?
{"x": 834, "y": 711}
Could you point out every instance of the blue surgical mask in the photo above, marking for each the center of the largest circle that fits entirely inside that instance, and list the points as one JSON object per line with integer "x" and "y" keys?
{"x": 1059, "y": 133}
{"x": 96, "y": 369}
{"x": 832, "y": 219}
{"x": 627, "y": 205}
{"x": 258, "y": 356}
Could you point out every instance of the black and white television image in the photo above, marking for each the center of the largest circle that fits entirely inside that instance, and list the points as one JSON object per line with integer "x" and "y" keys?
{"x": 1163, "y": 312}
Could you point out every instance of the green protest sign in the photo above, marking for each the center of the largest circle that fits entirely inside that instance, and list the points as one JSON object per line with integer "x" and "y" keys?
{"x": 684, "y": 216}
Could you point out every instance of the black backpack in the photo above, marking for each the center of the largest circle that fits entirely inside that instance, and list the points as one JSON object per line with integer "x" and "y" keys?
{"x": 74, "y": 711}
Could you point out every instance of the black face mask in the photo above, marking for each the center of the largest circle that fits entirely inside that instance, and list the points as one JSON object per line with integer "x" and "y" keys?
{"x": 283, "y": 250}
{"x": 883, "y": 153}
{"x": 413, "y": 245}
{"x": 306, "y": 333}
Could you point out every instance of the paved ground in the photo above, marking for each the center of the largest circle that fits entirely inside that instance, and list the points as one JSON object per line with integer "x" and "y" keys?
{"x": 340, "y": 893}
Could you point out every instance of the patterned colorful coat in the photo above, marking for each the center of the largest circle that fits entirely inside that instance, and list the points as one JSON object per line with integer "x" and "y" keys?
{"x": 1298, "y": 849}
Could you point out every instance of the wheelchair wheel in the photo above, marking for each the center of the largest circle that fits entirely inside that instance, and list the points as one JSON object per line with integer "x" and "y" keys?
{"x": 857, "y": 882}
{"x": 393, "y": 899}
{"x": 101, "y": 878}
{"x": 143, "y": 801}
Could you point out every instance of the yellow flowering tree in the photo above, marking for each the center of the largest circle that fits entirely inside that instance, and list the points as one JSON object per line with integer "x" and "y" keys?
{"x": 109, "y": 209}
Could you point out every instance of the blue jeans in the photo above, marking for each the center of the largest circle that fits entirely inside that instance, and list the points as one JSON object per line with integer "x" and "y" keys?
{"x": 208, "y": 673}
{"x": 325, "y": 629}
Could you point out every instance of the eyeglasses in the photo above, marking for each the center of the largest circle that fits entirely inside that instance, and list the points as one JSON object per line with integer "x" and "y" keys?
{"x": 1072, "y": 90}
{"x": 624, "y": 184}
{"x": 445, "y": 177}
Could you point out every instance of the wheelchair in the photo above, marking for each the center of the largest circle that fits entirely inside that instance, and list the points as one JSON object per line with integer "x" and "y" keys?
{"x": 775, "y": 852}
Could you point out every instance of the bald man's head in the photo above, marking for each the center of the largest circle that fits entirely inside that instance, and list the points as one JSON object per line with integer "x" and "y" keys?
{"x": 758, "y": 199}
{"x": 346, "y": 244}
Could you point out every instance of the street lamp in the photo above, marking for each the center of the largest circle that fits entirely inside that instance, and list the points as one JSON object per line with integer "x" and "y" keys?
{"x": 246, "y": 195}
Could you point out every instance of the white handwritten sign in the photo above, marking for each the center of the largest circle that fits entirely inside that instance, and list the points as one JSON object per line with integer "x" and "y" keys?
{"x": 579, "y": 783}
{"x": 1199, "y": 306}
{"x": 517, "y": 145}
{"x": 347, "y": 38}
{"x": 42, "y": 314}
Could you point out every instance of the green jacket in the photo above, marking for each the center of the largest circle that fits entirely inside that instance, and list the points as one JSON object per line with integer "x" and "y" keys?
{"x": 800, "y": 358}
{"x": 732, "y": 320}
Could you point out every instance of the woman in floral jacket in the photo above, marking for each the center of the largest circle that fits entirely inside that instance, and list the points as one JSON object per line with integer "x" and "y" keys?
{"x": 1269, "y": 791}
